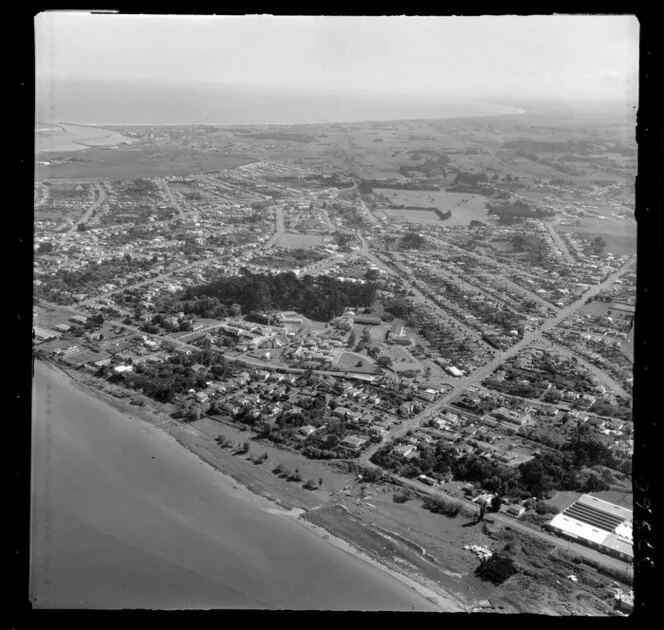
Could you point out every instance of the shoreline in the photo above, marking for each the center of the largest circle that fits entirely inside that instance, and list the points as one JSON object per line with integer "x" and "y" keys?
{"x": 519, "y": 111}
{"x": 241, "y": 488}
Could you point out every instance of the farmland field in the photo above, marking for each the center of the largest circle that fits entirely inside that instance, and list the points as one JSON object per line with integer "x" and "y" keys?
{"x": 463, "y": 206}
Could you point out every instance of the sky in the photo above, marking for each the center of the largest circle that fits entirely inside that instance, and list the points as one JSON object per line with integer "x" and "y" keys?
{"x": 549, "y": 57}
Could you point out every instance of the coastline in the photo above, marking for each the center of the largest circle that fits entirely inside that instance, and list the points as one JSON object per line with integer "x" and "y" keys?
{"x": 241, "y": 487}
{"x": 518, "y": 111}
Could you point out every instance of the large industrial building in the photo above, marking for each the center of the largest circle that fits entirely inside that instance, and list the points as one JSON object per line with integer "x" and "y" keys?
{"x": 597, "y": 523}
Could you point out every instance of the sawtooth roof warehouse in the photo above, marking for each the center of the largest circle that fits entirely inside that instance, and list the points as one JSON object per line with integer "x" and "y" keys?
{"x": 597, "y": 523}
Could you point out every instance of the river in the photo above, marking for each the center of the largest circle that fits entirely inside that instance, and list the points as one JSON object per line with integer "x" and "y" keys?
{"x": 125, "y": 517}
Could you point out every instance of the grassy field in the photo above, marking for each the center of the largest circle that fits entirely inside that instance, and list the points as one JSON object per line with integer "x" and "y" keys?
{"x": 463, "y": 206}
{"x": 413, "y": 216}
{"x": 562, "y": 500}
{"x": 300, "y": 241}
{"x": 402, "y": 359}
{"x": 620, "y": 236}
{"x": 348, "y": 361}
{"x": 96, "y": 164}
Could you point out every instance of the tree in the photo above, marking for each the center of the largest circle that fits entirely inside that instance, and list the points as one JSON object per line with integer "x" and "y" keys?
{"x": 496, "y": 503}
{"x": 496, "y": 569}
{"x": 45, "y": 248}
{"x": 372, "y": 274}
{"x": 385, "y": 361}
{"x": 194, "y": 413}
{"x": 246, "y": 447}
{"x": 482, "y": 512}
{"x": 599, "y": 244}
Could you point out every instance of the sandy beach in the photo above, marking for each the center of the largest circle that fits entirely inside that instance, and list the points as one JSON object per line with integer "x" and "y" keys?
{"x": 125, "y": 517}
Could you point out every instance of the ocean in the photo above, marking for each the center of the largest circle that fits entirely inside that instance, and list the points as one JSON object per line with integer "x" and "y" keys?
{"x": 125, "y": 517}
{"x": 103, "y": 103}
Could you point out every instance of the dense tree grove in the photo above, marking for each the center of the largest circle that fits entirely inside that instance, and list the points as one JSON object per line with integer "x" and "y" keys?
{"x": 164, "y": 381}
{"x": 412, "y": 240}
{"x": 320, "y": 298}
{"x": 510, "y": 212}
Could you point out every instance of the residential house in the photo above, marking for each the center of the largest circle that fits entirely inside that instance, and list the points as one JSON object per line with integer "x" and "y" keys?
{"x": 353, "y": 443}
{"x": 405, "y": 450}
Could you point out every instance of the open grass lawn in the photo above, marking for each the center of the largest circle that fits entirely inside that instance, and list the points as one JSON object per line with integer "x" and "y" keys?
{"x": 349, "y": 361}
{"x": 413, "y": 216}
{"x": 300, "y": 241}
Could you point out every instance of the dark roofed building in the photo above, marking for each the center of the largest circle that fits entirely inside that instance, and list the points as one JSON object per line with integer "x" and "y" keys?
{"x": 370, "y": 320}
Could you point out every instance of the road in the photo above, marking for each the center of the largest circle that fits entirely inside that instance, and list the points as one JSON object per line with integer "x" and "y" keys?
{"x": 601, "y": 376}
{"x": 370, "y": 215}
{"x": 160, "y": 277}
{"x": 163, "y": 184}
{"x": 279, "y": 220}
{"x": 410, "y": 282}
{"x": 559, "y": 242}
{"x": 486, "y": 259}
{"x": 508, "y": 521}
{"x": 101, "y": 197}
{"x": 481, "y": 373}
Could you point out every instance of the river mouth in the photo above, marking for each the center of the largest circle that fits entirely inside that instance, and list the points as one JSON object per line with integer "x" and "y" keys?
{"x": 56, "y": 137}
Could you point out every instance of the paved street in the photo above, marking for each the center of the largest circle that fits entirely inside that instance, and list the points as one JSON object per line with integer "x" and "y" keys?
{"x": 478, "y": 375}
{"x": 101, "y": 197}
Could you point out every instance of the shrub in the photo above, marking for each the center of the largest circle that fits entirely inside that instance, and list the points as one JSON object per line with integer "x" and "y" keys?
{"x": 279, "y": 469}
{"x": 402, "y": 496}
{"x": 496, "y": 569}
{"x": 310, "y": 485}
{"x": 442, "y": 506}
{"x": 496, "y": 503}
{"x": 545, "y": 508}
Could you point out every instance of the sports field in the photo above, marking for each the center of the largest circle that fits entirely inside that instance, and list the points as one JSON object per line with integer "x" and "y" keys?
{"x": 300, "y": 241}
